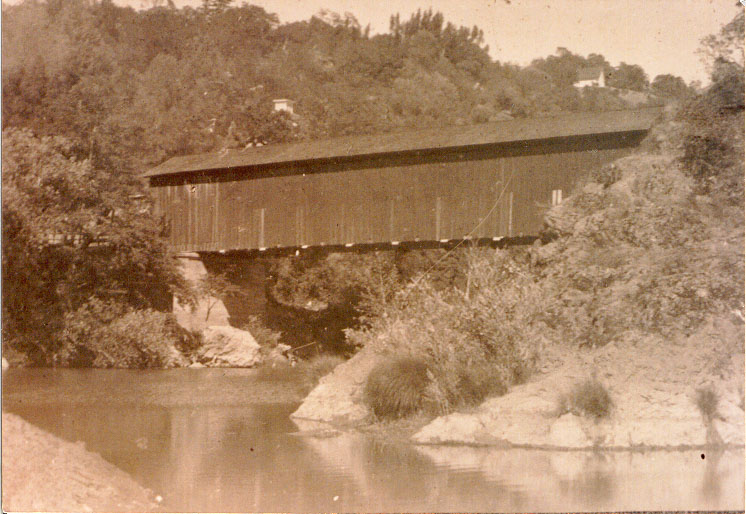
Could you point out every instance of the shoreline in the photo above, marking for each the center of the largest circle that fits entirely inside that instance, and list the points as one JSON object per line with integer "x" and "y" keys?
{"x": 41, "y": 472}
{"x": 654, "y": 385}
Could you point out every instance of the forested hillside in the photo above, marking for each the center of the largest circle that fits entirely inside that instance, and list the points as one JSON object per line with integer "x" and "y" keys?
{"x": 94, "y": 94}
{"x": 133, "y": 88}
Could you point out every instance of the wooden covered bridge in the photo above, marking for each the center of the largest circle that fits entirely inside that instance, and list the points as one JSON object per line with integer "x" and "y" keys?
{"x": 485, "y": 182}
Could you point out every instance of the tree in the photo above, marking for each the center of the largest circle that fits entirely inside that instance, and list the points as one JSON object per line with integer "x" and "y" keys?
{"x": 628, "y": 76}
{"x": 712, "y": 135}
{"x": 669, "y": 86}
{"x": 72, "y": 232}
{"x": 726, "y": 45}
{"x": 215, "y": 287}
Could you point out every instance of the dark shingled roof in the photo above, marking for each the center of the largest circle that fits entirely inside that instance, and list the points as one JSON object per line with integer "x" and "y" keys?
{"x": 566, "y": 125}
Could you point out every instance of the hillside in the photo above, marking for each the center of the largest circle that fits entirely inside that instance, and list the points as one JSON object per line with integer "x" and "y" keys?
{"x": 135, "y": 87}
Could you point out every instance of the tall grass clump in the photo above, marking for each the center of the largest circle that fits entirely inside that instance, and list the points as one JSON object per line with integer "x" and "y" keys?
{"x": 588, "y": 398}
{"x": 317, "y": 367}
{"x": 397, "y": 388}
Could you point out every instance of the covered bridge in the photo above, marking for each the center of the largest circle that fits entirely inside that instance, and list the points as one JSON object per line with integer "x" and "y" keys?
{"x": 487, "y": 182}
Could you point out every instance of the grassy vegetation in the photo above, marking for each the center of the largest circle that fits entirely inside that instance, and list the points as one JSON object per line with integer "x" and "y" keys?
{"x": 706, "y": 400}
{"x": 397, "y": 388}
{"x": 587, "y": 398}
{"x": 473, "y": 345}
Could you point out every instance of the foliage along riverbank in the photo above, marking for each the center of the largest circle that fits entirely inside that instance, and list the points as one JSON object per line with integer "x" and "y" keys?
{"x": 623, "y": 329}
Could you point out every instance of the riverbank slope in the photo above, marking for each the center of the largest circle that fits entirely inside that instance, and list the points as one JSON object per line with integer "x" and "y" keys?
{"x": 44, "y": 473}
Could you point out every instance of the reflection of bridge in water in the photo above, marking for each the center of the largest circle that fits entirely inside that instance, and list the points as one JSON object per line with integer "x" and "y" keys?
{"x": 426, "y": 188}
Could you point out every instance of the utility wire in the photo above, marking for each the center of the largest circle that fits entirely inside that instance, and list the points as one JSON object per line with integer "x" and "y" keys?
{"x": 468, "y": 236}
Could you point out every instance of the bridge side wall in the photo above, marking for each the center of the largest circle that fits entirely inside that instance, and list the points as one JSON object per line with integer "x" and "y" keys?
{"x": 484, "y": 192}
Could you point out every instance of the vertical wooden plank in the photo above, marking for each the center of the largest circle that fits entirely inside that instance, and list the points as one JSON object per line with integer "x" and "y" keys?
{"x": 391, "y": 219}
{"x": 510, "y": 214}
{"x": 216, "y": 217}
{"x": 261, "y": 227}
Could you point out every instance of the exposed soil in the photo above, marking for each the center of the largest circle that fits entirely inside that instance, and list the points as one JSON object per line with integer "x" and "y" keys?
{"x": 44, "y": 473}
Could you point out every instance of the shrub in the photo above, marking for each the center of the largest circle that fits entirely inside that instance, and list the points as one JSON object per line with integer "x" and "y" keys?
{"x": 397, "y": 388}
{"x": 107, "y": 334}
{"x": 475, "y": 383}
{"x": 265, "y": 336}
{"x": 316, "y": 367}
{"x": 474, "y": 344}
{"x": 588, "y": 398}
{"x": 706, "y": 400}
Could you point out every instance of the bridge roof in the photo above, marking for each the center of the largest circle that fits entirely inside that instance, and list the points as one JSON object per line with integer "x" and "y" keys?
{"x": 518, "y": 130}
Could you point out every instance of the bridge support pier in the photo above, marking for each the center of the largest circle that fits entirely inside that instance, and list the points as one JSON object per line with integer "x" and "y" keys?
{"x": 249, "y": 274}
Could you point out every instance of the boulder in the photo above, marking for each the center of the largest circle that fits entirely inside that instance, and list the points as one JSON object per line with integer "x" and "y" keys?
{"x": 228, "y": 347}
{"x": 455, "y": 428}
{"x": 338, "y": 397}
{"x": 567, "y": 432}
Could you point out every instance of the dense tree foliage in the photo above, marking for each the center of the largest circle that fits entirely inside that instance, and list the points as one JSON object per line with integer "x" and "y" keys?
{"x": 713, "y": 137}
{"x": 136, "y": 87}
{"x": 72, "y": 232}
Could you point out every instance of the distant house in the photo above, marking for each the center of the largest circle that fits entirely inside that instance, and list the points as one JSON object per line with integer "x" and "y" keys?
{"x": 283, "y": 104}
{"x": 591, "y": 77}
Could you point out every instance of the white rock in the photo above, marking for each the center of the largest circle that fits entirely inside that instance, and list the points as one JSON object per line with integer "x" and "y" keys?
{"x": 455, "y": 428}
{"x": 228, "y": 347}
{"x": 567, "y": 432}
{"x": 337, "y": 397}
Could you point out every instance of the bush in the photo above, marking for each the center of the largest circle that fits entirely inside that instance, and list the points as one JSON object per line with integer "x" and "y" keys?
{"x": 397, "y": 388}
{"x": 265, "y": 336}
{"x": 317, "y": 367}
{"x": 112, "y": 335}
{"x": 475, "y": 383}
{"x": 706, "y": 400}
{"x": 588, "y": 398}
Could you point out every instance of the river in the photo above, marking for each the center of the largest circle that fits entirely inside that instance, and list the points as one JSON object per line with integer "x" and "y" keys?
{"x": 222, "y": 440}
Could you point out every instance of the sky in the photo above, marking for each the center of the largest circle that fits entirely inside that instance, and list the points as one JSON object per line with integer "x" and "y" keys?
{"x": 662, "y": 36}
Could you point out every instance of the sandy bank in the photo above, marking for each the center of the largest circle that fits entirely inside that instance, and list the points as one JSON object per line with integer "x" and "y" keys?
{"x": 44, "y": 473}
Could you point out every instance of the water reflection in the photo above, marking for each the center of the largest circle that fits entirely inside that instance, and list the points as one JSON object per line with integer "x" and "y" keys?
{"x": 218, "y": 452}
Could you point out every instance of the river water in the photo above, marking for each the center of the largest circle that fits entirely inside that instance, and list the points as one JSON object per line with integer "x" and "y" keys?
{"x": 222, "y": 440}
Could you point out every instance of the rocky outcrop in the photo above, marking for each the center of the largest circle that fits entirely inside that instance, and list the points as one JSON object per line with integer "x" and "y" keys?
{"x": 653, "y": 385}
{"x": 338, "y": 396}
{"x": 228, "y": 347}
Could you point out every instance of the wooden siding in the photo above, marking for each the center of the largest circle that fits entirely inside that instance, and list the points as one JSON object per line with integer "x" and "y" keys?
{"x": 500, "y": 191}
